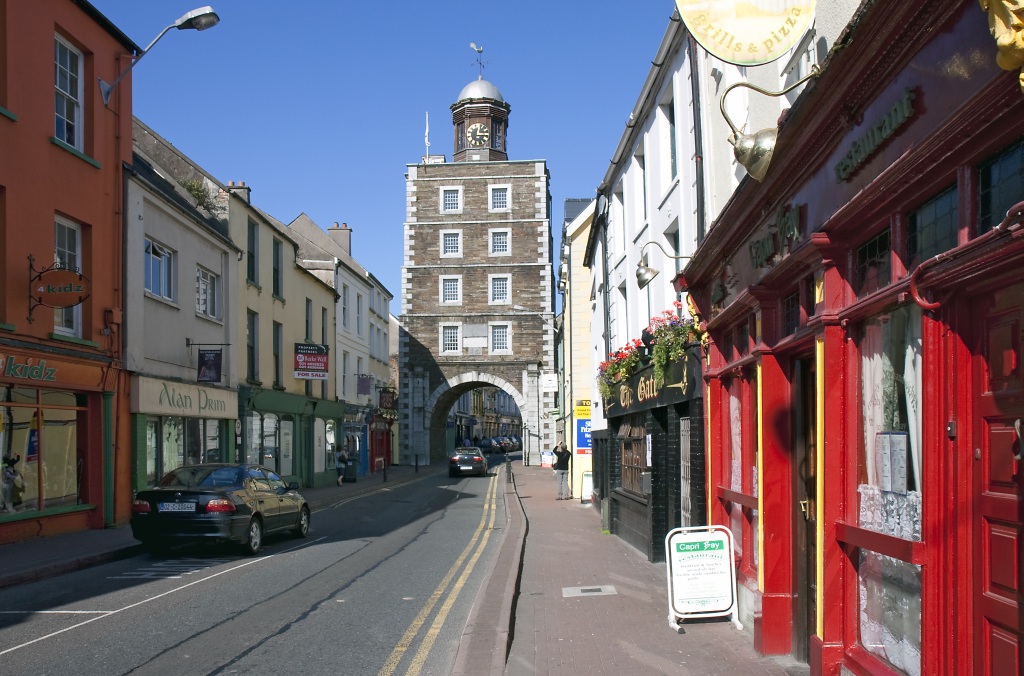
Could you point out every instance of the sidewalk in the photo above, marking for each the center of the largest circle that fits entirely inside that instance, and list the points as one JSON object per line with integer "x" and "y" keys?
{"x": 37, "y": 559}
{"x": 587, "y": 602}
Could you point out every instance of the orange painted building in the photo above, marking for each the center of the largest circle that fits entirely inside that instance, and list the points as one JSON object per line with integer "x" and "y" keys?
{"x": 63, "y": 395}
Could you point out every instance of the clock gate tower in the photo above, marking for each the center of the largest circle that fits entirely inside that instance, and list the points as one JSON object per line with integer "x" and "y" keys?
{"x": 477, "y": 281}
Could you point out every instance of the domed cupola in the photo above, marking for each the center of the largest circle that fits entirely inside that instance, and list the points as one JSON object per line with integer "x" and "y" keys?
{"x": 480, "y": 117}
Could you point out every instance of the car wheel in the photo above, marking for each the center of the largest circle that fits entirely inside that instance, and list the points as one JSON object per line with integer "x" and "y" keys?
{"x": 254, "y": 539}
{"x": 302, "y": 529}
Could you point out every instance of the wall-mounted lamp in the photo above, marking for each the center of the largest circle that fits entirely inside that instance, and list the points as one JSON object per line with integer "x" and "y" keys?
{"x": 645, "y": 274}
{"x": 198, "y": 19}
{"x": 754, "y": 151}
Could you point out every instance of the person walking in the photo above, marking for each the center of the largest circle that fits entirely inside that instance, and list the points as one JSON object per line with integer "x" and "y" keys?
{"x": 340, "y": 461}
{"x": 562, "y": 457}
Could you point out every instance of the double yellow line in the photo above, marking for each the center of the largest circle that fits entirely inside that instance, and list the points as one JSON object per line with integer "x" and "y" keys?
{"x": 477, "y": 542}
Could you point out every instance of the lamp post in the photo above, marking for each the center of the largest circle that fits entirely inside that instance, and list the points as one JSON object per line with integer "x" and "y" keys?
{"x": 198, "y": 19}
{"x": 526, "y": 445}
{"x": 645, "y": 274}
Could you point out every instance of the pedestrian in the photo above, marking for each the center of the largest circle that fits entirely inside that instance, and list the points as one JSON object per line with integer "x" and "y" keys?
{"x": 340, "y": 461}
{"x": 562, "y": 457}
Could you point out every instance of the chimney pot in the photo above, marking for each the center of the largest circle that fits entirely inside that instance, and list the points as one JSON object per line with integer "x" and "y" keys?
{"x": 231, "y": 184}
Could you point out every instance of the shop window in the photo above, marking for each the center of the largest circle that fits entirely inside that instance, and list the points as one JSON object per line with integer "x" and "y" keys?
{"x": 889, "y": 489}
{"x": 1000, "y": 185}
{"x": 932, "y": 227}
{"x": 633, "y": 437}
{"x": 40, "y": 431}
{"x": 743, "y": 338}
{"x": 873, "y": 265}
{"x": 791, "y": 314}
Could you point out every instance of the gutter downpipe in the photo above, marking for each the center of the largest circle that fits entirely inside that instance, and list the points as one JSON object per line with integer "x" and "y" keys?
{"x": 698, "y": 138}
{"x": 1013, "y": 218}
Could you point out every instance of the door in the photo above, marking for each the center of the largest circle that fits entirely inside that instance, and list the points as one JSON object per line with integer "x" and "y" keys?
{"x": 998, "y": 488}
{"x": 805, "y": 482}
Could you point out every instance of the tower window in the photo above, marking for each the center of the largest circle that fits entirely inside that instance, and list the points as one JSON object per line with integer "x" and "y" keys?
{"x": 499, "y": 201}
{"x": 451, "y": 200}
{"x": 496, "y": 142}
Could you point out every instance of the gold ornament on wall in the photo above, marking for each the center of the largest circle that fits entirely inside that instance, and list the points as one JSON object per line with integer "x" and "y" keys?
{"x": 1006, "y": 23}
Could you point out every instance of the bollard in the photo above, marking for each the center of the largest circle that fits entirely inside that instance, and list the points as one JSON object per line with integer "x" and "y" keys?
{"x": 508, "y": 467}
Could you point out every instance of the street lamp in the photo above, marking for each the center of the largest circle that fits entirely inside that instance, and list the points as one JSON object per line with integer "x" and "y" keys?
{"x": 754, "y": 151}
{"x": 645, "y": 274}
{"x": 526, "y": 445}
{"x": 198, "y": 19}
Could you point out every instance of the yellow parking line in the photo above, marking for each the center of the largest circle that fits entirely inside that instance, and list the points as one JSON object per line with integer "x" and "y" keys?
{"x": 407, "y": 638}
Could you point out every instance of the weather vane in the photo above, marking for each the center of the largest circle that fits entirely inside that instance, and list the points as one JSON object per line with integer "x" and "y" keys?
{"x": 479, "y": 61}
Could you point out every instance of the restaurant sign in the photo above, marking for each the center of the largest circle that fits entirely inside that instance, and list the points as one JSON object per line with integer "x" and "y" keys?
{"x": 747, "y": 33}
{"x": 779, "y": 238}
{"x": 641, "y": 391}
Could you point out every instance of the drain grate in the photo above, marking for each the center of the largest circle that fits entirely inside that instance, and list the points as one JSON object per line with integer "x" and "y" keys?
{"x": 603, "y": 590}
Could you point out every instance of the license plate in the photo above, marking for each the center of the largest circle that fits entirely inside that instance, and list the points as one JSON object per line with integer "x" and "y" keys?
{"x": 465, "y": 467}
{"x": 177, "y": 506}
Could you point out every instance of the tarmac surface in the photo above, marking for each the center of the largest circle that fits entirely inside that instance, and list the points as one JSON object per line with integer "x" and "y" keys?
{"x": 561, "y": 597}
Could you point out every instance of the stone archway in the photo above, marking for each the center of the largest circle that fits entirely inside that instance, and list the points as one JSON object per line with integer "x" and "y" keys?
{"x": 426, "y": 406}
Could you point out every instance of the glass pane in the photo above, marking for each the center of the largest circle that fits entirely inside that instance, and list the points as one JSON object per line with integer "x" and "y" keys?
{"x": 890, "y": 458}
{"x": 890, "y": 610}
{"x": 173, "y": 443}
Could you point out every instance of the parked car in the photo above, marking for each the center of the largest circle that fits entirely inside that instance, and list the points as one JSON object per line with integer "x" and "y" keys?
{"x": 485, "y": 445}
{"x": 467, "y": 460}
{"x": 218, "y": 502}
{"x": 517, "y": 442}
{"x": 506, "y": 444}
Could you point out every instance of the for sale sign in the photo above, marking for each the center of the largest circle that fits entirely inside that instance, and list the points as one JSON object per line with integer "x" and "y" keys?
{"x": 311, "y": 361}
{"x": 701, "y": 575}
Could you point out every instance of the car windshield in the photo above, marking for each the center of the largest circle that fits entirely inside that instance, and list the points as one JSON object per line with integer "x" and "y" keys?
{"x": 203, "y": 476}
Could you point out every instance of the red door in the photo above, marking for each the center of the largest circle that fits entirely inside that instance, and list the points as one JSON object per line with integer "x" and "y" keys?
{"x": 998, "y": 488}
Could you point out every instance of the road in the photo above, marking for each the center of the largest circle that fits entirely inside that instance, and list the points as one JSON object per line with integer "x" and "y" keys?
{"x": 384, "y": 585}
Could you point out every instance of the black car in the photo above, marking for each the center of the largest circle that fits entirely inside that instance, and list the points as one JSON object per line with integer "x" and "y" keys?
{"x": 485, "y": 445}
{"x": 218, "y": 502}
{"x": 467, "y": 460}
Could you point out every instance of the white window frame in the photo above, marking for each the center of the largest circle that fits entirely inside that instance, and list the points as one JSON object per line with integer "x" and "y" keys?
{"x": 458, "y": 290}
{"x": 68, "y": 321}
{"x": 344, "y": 305}
{"x": 440, "y": 337}
{"x": 491, "y": 279}
{"x": 441, "y": 242}
{"x": 168, "y": 270}
{"x": 72, "y": 95}
{"x": 491, "y": 189}
{"x": 490, "y": 337}
{"x": 440, "y": 199}
{"x": 209, "y": 281}
{"x": 508, "y": 241}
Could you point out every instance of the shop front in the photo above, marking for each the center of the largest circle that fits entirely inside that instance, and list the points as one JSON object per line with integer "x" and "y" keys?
{"x": 649, "y": 465}
{"x": 864, "y": 308}
{"x": 59, "y": 417}
{"x": 178, "y": 423}
{"x": 291, "y": 434}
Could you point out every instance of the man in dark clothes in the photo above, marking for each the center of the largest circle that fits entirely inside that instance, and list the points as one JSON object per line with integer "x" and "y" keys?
{"x": 562, "y": 457}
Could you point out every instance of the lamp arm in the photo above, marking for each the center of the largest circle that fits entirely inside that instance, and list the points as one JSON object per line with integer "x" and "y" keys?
{"x": 721, "y": 104}
{"x": 647, "y": 244}
{"x": 105, "y": 88}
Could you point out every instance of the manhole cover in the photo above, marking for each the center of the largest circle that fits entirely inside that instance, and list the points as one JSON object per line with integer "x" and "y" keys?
{"x": 603, "y": 590}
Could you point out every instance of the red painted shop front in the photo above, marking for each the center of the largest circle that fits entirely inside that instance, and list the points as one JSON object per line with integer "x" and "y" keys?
{"x": 865, "y": 310}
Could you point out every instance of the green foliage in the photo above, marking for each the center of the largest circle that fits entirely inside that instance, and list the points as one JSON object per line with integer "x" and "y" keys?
{"x": 197, "y": 188}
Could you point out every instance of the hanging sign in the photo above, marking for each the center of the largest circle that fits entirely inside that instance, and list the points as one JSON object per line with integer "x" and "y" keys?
{"x": 747, "y": 33}
{"x": 701, "y": 575}
{"x": 209, "y": 365}
{"x": 60, "y": 288}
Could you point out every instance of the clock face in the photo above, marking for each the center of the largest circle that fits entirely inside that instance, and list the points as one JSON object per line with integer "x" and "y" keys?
{"x": 477, "y": 135}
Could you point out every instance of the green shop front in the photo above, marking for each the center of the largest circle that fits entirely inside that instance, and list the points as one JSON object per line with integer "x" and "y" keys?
{"x": 292, "y": 434}
{"x": 179, "y": 423}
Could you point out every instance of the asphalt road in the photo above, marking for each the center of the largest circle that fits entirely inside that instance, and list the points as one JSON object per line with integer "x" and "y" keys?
{"x": 384, "y": 585}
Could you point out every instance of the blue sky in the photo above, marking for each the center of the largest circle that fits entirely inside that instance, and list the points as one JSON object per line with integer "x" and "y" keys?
{"x": 319, "y": 105}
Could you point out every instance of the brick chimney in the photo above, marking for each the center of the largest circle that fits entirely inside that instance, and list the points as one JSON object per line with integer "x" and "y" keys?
{"x": 239, "y": 189}
{"x": 342, "y": 236}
